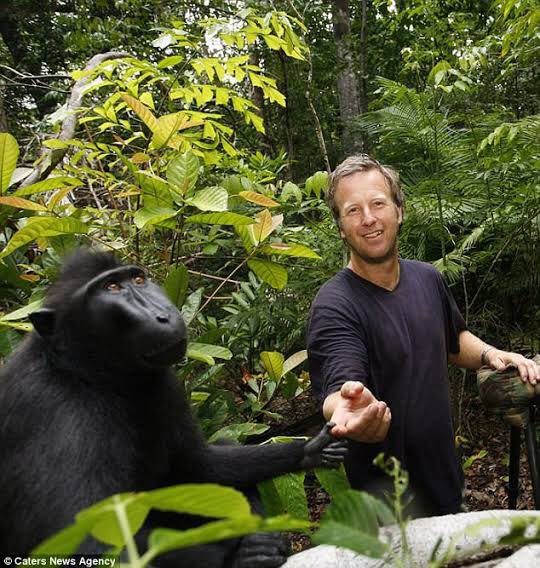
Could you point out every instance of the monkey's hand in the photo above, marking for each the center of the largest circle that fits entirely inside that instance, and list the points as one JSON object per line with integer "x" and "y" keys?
{"x": 264, "y": 550}
{"x": 324, "y": 450}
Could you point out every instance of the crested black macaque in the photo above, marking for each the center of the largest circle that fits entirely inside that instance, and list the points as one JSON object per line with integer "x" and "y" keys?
{"x": 89, "y": 407}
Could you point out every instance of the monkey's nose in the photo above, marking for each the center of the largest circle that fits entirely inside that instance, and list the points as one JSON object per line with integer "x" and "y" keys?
{"x": 163, "y": 318}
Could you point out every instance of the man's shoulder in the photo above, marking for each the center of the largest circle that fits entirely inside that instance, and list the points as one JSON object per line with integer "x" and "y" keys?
{"x": 420, "y": 268}
{"x": 333, "y": 291}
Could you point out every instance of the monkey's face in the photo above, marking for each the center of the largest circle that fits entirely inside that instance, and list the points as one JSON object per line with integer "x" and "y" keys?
{"x": 122, "y": 319}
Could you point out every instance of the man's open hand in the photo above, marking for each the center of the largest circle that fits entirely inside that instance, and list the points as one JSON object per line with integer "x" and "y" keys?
{"x": 358, "y": 414}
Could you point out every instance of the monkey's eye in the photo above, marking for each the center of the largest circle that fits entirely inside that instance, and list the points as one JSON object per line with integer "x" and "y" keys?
{"x": 114, "y": 287}
{"x": 139, "y": 280}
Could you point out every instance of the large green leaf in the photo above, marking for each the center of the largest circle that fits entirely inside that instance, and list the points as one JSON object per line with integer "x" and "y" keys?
{"x": 273, "y": 363}
{"x": 270, "y": 272}
{"x": 238, "y": 432}
{"x": 183, "y": 172}
{"x": 206, "y": 352}
{"x": 191, "y": 305}
{"x": 152, "y": 215}
{"x": 48, "y": 185}
{"x": 105, "y": 515}
{"x": 225, "y": 218}
{"x": 285, "y": 495}
{"x": 293, "y": 249}
{"x": 20, "y": 203}
{"x": 165, "y": 540}
{"x": 9, "y": 153}
{"x": 344, "y": 536}
{"x": 333, "y": 481}
{"x": 156, "y": 191}
{"x": 210, "y": 199}
{"x": 176, "y": 285}
{"x": 294, "y": 360}
{"x": 205, "y": 500}
{"x": 41, "y": 227}
{"x": 22, "y": 313}
{"x": 352, "y": 521}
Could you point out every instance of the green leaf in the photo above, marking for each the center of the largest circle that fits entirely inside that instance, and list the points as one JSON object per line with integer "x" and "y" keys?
{"x": 220, "y": 219}
{"x": 63, "y": 543}
{"x": 352, "y": 521}
{"x": 206, "y": 352}
{"x": 22, "y": 313}
{"x": 103, "y": 517}
{"x": 273, "y": 363}
{"x": 265, "y": 224}
{"x": 191, "y": 305}
{"x": 344, "y": 536}
{"x": 203, "y": 499}
{"x": 238, "y": 432}
{"x": 41, "y": 227}
{"x": 258, "y": 198}
{"x": 270, "y": 272}
{"x": 210, "y": 199}
{"x": 285, "y": 494}
{"x": 9, "y": 153}
{"x": 291, "y": 190}
{"x": 156, "y": 191}
{"x": 183, "y": 172}
{"x": 293, "y": 249}
{"x": 294, "y": 360}
{"x": 142, "y": 111}
{"x": 170, "y": 61}
{"x": 20, "y": 203}
{"x": 333, "y": 481}
{"x": 176, "y": 285}
{"x": 48, "y": 185}
{"x": 164, "y": 540}
{"x": 151, "y": 215}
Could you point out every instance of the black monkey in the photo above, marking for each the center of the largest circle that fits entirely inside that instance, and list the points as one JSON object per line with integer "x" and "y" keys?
{"x": 89, "y": 407}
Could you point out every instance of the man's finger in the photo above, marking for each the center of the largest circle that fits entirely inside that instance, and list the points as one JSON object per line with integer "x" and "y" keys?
{"x": 352, "y": 389}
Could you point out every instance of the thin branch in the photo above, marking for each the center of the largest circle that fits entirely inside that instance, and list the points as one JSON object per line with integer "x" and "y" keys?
{"x": 50, "y": 158}
{"x": 212, "y": 277}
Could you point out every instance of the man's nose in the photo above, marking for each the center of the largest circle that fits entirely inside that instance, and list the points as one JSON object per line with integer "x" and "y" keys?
{"x": 367, "y": 217}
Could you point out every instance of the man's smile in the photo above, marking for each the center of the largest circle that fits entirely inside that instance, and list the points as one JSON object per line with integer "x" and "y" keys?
{"x": 372, "y": 234}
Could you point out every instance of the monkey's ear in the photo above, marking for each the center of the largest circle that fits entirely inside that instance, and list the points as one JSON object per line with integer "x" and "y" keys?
{"x": 43, "y": 321}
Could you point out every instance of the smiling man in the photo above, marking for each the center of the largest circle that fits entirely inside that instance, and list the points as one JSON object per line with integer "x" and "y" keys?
{"x": 381, "y": 334}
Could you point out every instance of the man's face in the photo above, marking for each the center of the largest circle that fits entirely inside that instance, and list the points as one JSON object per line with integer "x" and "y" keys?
{"x": 368, "y": 217}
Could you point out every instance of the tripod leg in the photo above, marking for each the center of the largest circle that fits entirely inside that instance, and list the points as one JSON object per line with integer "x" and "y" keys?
{"x": 532, "y": 454}
{"x": 513, "y": 469}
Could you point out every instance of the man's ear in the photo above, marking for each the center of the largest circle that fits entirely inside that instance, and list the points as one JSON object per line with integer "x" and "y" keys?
{"x": 400, "y": 215}
{"x": 43, "y": 321}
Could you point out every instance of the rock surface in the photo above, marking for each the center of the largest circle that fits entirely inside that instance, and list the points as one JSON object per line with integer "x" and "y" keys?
{"x": 423, "y": 535}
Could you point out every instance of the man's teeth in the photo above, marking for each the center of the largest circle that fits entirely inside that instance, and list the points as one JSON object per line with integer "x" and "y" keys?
{"x": 373, "y": 235}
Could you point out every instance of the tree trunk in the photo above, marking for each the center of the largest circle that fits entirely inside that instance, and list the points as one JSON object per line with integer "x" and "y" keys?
{"x": 347, "y": 80}
{"x": 4, "y": 127}
{"x": 362, "y": 99}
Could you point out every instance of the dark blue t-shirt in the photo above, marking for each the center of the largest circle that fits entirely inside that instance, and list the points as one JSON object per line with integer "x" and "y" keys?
{"x": 397, "y": 344}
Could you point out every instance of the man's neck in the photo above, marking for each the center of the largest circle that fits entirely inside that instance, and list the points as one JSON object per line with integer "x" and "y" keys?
{"x": 384, "y": 274}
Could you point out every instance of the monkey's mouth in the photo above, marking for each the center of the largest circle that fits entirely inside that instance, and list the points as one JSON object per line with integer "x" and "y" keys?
{"x": 161, "y": 356}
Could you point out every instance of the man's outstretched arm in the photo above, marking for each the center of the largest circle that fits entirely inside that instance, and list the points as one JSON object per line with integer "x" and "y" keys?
{"x": 473, "y": 353}
{"x": 357, "y": 413}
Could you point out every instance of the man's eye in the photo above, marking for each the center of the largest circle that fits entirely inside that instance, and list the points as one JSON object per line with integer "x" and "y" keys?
{"x": 114, "y": 287}
{"x": 139, "y": 280}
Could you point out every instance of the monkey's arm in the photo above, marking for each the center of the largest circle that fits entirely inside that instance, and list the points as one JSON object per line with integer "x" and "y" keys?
{"x": 248, "y": 465}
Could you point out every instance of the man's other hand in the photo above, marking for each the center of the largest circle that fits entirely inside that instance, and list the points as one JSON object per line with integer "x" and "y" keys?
{"x": 358, "y": 415}
{"x": 528, "y": 369}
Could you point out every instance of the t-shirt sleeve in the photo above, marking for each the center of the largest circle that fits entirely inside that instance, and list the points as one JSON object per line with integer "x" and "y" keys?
{"x": 336, "y": 349}
{"x": 454, "y": 321}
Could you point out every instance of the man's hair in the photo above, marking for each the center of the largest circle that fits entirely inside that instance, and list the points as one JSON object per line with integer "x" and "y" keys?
{"x": 363, "y": 163}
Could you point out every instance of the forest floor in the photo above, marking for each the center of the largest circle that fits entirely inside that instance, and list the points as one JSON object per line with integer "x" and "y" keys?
{"x": 485, "y": 436}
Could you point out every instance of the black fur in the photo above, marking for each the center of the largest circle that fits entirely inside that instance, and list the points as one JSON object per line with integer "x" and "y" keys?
{"x": 88, "y": 409}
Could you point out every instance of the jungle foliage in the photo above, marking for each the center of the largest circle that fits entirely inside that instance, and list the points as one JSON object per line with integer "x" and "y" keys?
{"x": 198, "y": 146}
